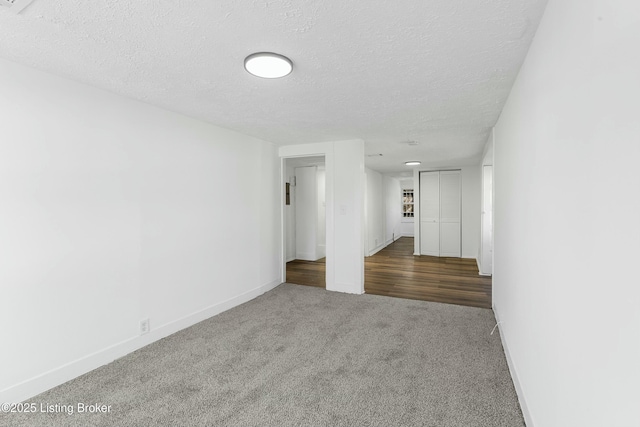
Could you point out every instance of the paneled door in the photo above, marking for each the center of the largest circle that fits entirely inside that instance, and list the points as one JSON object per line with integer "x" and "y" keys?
{"x": 430, "y": 213}
{"x": 440, "y": 213}
{"x": 450, "y": 213}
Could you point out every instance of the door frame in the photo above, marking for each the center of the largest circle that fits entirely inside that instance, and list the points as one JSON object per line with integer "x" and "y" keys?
{"x": 344, "y": 166}
{"x": 283, "y": 180}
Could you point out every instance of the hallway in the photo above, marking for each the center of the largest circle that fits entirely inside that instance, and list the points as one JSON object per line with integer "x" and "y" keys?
{"x": 396, "y": 272}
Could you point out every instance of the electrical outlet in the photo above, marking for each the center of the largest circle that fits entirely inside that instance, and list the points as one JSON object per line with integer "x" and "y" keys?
{"x": 144, "y": 326}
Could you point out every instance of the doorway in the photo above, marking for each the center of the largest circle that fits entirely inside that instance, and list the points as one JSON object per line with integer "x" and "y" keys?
{"x": 305, "y": 221}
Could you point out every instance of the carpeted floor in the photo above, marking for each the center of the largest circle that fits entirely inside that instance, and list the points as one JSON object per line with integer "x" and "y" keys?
{"x": 302, "y": 356}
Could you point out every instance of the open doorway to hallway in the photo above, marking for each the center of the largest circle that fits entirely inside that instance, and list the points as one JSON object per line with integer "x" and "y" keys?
{"x": 305, "y": 220}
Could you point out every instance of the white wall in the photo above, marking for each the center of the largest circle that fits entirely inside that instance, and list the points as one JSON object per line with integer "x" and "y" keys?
{"x": 407, "y": 224}
{"x": 485, "y": 248}
{"x": 374, "y": 212}
{"x": 112, "y": 211}
{"x": 306, "y": 213}
{"x": 471, "y": 185}
{"x": 290, "y": 215}
{"x": 344, "y": 209}
{"x": 567, "y": 233}
{"x": 487, "y": 156}
{"x": 393, "y": 209}
{"x": 322, "y": 215}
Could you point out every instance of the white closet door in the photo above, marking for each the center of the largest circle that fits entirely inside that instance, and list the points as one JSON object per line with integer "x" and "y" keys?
{"x": 430, "y": 213}
{"x": 450, "y": 204}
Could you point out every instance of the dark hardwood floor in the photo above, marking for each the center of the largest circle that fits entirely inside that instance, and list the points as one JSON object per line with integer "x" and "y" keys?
{"x": 395, "y": 272}
{"x": 308, "y": 273}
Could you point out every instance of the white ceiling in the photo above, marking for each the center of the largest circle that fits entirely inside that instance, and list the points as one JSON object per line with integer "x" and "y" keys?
{"x": 437, "y": 72}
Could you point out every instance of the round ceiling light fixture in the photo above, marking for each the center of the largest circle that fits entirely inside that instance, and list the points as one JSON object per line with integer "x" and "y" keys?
{"x": 412, "y": 163}
{"x": 268, "y": 65}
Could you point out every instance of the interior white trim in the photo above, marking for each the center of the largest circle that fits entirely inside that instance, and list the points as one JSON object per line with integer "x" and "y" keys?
{"x": 307, "y": 256}
{"x": 480, "y": 273}
{"x": 395, "y": 238}
{"x": 344, "y": 161}
{"x": 74, "y": 369}
{"x": 377, "y": 249}
{"x": 310, "y": 150}
{"x": 528, "y": 419}
{"x": 345, "y": 288}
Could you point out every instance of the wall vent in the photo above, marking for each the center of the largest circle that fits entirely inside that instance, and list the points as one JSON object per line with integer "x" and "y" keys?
{"x": 15, "y": 6}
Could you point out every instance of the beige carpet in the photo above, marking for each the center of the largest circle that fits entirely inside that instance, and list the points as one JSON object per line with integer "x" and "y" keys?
{"x": 302, "y": 356}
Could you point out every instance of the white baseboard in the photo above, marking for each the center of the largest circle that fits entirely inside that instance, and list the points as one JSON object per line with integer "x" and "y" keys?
{"x": 396, "y": 237}
{"x": 306, "y": 256}
{"x": 407, "y": 235}
{"x": 345, "y": 288}
{"x": 290, "y": 259}
{"x": 480, "y": 273}
{"x": 528, "y": 419}
{"x": 43, "y": 382}
{"x": 322, "y": 251}
{"x": 377, "y": 249}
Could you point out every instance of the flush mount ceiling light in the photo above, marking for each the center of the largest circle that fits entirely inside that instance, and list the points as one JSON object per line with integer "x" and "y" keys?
{"x": 268, "y": 65}
{"x": 412, "y": 163}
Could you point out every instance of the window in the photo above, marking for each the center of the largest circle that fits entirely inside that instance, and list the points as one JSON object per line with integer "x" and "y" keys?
{"x": 407, "y": 203}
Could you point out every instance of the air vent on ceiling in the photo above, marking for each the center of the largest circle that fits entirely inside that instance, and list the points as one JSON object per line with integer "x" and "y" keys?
{"x": 374, "y": 155}
{"x": 15, "y": 6}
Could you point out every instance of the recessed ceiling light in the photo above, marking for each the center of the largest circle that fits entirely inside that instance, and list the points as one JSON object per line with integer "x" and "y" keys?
{"x": 268, "y": 65}
{"x": 412, "y": 163}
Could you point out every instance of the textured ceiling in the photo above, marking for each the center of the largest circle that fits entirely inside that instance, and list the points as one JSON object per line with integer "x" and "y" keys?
{"x": 437, "y": 72}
